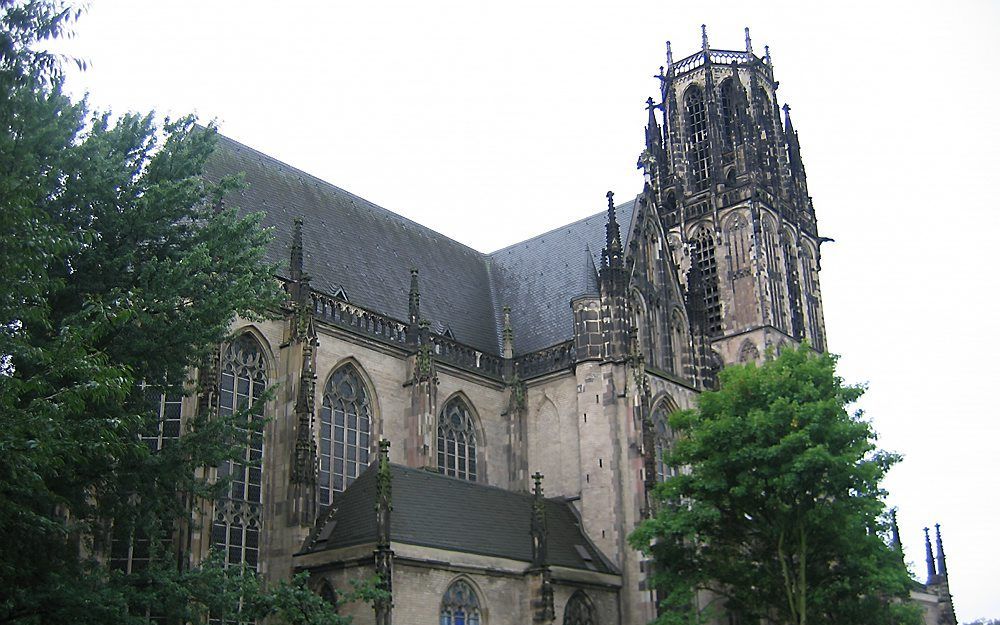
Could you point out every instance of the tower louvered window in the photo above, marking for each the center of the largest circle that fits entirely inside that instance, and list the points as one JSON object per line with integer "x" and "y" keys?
{"x": 345, "y": 432}
{"x": 456, "y": 441}
{"x": 460, "y": 606}
{"x": 776, "y": 278}
{"x": 730, "y": 114}
{"x": 663, "y": 438}
{"x": 237, "y": 522}
{"x": 698, "y": 154}
{"x": 739, "y": 247}
{"x": 580, "y": 610}
{"x": 704, "y": 256}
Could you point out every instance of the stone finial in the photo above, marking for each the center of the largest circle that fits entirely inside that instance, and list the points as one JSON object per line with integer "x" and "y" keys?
{"x": 508, "y": 334}
{"x": 383, "y": 495}
{"x": 296, "y": 261}
{"x": 767, "y": 56}
{"x": 931, "y": 573}
{"x": 704, "y": 38}
{"x": 670, "y": 57}
{"x": 894, "y": 527}
{"x": 539, "y": 531}
{"x": 746, "y": 36}
{"x": 942, "y": 567}
{"x": 414, "y": 296}
{"x": 613, "y": 238}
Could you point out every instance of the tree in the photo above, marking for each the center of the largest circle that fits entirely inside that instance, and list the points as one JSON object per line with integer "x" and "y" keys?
{"x": 776, "y": 513}
{"x": 120, "y": 270}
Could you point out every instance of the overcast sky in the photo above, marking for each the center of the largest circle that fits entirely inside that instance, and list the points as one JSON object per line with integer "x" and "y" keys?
{"x": 493, "y": 123}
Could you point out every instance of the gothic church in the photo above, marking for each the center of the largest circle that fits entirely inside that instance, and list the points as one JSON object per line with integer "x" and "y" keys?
{"x": 524, "y": 392}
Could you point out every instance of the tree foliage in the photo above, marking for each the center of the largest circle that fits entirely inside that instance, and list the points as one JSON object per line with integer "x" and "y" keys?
{"x": 120, "y": 269}
{"x": 777, "y": 511}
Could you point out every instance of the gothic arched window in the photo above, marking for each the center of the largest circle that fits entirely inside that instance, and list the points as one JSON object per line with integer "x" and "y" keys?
{"x": 345, "y": 425}
{"x": 242, "y": 381}
{"x": 456, "y": 441}
{"x": 730, "y": 113}
{"x": 703, "y": 254}
{"x": 579, "y": 610}
{"x": 698, "y": 154}
{"x": 663, "y": 438}
{"x": 748, "y": 352}
{"x": 460, "y": 605}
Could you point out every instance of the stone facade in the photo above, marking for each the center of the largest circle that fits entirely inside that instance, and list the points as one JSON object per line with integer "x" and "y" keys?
{"x": 715, "y": 262}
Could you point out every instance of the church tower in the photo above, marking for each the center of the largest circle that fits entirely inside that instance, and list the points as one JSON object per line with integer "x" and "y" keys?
{"x": 724, "y": 168}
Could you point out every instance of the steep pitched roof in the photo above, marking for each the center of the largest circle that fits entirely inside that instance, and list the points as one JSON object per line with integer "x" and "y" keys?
{"x": 537, "y": 278}
{"x": 433, "y": 510}
{"x": 365, "y": 251}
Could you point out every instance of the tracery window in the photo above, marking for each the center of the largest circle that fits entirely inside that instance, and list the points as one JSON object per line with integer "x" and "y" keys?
{"x": 748, "y": 352}
{"x": 460, "y": 605}
{"x": 704, "y": 256}
{"x": 456, "y": 441}
{"x": 730, "y": 114}
{"x": 243, "y": 379}
{"x": 663, "y": 438}
{"x": 579, "y": 610}
{"x": 697, "y": 137}
{"x": 345, "y": 432}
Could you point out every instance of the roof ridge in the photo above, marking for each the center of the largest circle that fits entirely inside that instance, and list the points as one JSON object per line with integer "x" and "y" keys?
{"x": 562, "y": 227}
{"x": 317, "y": 180}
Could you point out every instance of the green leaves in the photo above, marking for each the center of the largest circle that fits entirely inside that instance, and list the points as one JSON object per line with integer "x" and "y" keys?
{"x": 779, "y": 509}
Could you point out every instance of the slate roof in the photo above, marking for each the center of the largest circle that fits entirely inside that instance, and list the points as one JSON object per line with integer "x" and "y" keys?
{"x": 433, "y": 510}
{"x": 537, "y": 278}
{"x": 352, "y": 244}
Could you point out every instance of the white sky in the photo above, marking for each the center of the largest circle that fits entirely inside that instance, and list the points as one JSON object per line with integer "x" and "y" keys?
{"x": 492, "y": 123}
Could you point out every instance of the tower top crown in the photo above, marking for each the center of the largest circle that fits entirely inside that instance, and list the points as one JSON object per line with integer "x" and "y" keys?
{"x": 719, "y": 57}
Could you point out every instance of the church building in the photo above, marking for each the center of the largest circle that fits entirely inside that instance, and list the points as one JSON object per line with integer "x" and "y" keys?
{"x": 484, "y": 430}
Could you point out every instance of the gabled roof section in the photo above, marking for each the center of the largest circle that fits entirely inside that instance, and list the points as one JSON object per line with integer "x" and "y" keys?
{"x": 539, "y": 277}
{"x": 433, "y": 510}
{"x": 361, "y": 248}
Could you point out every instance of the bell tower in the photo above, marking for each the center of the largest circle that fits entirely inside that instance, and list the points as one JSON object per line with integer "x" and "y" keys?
{"x": 728, "y": 181}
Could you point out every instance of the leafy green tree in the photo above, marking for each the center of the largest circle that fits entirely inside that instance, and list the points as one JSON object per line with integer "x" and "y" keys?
{"x": 777, "y": 513}
{"x": 120, "y": 268}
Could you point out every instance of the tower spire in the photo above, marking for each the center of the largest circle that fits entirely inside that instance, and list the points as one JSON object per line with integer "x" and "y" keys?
{"x": 931, "y": 573}
{"x": 942, "y": 567}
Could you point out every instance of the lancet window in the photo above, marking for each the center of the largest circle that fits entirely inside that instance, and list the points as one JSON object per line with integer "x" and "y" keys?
{"x": 460, "y": 605}
{"x": 242, "y": 382}
{"x": 775, "y": 275}
{"x": 663, "y": 438}
{"x": 456, "y": 441}
{"x": 729, "y": 99}
{"x": 698, "y": 152}
{"x": 579, "y": 610}
{"x": 345, "y": 432}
